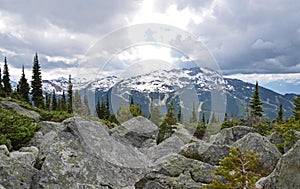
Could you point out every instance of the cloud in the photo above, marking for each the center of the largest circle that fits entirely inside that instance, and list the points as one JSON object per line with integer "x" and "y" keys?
{"x": 261, "y": 44}
{"x": 244, "y": 36}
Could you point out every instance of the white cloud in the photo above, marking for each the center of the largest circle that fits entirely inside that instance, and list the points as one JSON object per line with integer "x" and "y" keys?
{"x": 261, "y": 44}
{"x": 266, "y": 78}
{"x": 171, "y": 16}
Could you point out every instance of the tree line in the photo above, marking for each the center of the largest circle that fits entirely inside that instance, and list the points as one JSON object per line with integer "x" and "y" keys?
{"x": 33, "y": 94}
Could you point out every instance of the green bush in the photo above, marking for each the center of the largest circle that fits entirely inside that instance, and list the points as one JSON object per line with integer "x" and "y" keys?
{"x": 16, "y": 130}
{"x": 56, "y": 116}
{"x": 241, "y": 169}
{"x": 287, "y": 132}
{"x": 263, "y": 127}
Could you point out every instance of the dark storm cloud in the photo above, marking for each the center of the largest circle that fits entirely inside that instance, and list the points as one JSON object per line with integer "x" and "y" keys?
{"x": 248, "y": 36}
{"x": 56, "y": 28}
{"x": 244, "y": 36}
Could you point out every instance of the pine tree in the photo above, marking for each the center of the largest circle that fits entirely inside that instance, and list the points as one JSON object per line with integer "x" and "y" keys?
{"x": 166, "y": 128}
{"x": 23, "y": 87}
{"x": 280, "y": 114}
{"x": 135, "y": 110}
{"x": 194, "y": 117}
{"x": 70, "y": 96}
{"x": 48, "y": 102}
{"x": 179, "y": 116}
{"x": 54, "y": 101}
{"x": 36, "y": 84}
{"x": 63, "y": 105}
{"x": 1, "y": 86}
{"x": 6, "y": 81}
{"x": 256, "y": 104}
{"x": 241, "y": 169}
{"x": 98, "y": 110}
{"x": 297, "y": 108}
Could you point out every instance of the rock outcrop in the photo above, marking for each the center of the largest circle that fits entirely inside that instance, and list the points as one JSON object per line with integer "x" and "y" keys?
{"x": 14, "y": 173}
{"x": 138, "y": 131}
{"x": 230, "y": 135}
{"x": 206, "y": 152}
{"x": 268, "y": 153}
{"x": 176, "y": 171}
{"x": 286, "y": 173}
{"x": 20, "y": 110}
{"x": 79, "y": 153}
{"x": 83, "y": 154}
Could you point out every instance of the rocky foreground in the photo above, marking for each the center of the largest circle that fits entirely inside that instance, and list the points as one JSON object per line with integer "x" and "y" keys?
{"x": 78, "y": 153}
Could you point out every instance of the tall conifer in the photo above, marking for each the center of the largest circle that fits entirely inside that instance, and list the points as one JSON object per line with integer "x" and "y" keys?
{"x": 6, "y": 81}
{"x": 36, "y": 83}
{"x": 23, "y": 87}
{"x": 256, "y": 104}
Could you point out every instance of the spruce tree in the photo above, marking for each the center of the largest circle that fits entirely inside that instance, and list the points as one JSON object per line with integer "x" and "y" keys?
{"x": 48, "y": 102}
{"x": 63, "y": 105}
{"x": 255, "y": 103}
{"x": 23, "y": 87}
{"x": 179, "y": 116}
{"x": 135, "y": 110}
{"x": 6, "y": 81}
{"x": 36, "y": 83}
{"x": 70, "y": 96}
{"x": 1, "y": 86}
{"x": 98, "y": 109}
{"x": 166, "y": 128}
{"x": 297, "y": 108}
{"x": 54, "y": 101}
{"x": 280, "y": 114}
{"x": 170, "y": 120}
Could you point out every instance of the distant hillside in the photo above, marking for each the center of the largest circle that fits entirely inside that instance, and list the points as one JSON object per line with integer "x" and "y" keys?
{"x": 184, "y": 86}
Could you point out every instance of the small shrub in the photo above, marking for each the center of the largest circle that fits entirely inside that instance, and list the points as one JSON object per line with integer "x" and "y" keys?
{"x": 16, "y": 130}
{"x": 240, "y": 169}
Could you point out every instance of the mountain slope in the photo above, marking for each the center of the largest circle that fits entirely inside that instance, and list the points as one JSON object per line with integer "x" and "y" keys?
{"x": 186, "y": 87}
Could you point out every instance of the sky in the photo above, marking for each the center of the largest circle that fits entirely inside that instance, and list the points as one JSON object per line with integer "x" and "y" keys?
{"x": 252, "y": 40}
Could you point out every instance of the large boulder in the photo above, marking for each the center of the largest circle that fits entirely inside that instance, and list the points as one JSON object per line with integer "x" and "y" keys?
{"x": 15, "y": 174}
{"x": 33, "y": 149}
{"x": 206, "y": 152}
{"x": 47, "y": 126}
{"x": 20, "y": 110}
{"x": 286, "y": 173}
{"x": 37, "y": 139}
{"x": 138, "y": 131}
{"x": 26, "y": 158}
{"x": 230, "y": 135}
{"x": 171, "y": 145}
{"x": 83, "y": 154}
{"x": 268, "y": 153}
{"x": 176, "y": 171}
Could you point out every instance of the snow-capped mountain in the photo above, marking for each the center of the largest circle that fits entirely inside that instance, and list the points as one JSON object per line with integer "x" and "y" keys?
{"x": 185, "y": 86}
